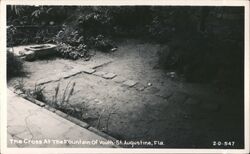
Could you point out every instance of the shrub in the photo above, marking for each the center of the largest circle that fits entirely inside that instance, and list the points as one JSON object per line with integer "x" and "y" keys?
{"x": 71, "y": 45}
{"x": 14, "y": 65}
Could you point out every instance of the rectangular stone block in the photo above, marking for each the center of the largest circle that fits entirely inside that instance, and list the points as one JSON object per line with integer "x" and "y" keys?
{"x": 39, "y": 103}
{"x": 139, "y": 87}
{"x": 129, "y": 83}
{"x": 109, "y": 76}
{"x": 43, "y": 81}
{"x": 50, "y": 78}
{"x": 49, "y": 108}
{"x": 119, "y": 79}
{"x": 71, "y": 73}
{"x": 78, "y": 122}
{"x": 100, "y": 63}
{"x": 30, "y": 99}
{"x": 88, "y": 70}
{"x": 99, "y": 73}
{"x": 60, "y": 113}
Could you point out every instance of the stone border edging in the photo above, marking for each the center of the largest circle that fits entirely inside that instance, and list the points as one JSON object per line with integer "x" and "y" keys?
{"x": 67, "y": 117}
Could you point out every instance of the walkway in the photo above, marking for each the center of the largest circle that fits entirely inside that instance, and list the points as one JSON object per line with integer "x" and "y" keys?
{"x": 30, "y": 125}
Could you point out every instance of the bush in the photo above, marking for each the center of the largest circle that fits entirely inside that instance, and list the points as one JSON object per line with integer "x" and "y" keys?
{"x": 14, "y": 65}
{"x": 70, "y": 44}
{"x": 73, "y": 45}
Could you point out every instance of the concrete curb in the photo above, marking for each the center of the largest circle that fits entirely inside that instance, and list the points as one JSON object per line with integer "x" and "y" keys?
{"x": 66, "y": 116}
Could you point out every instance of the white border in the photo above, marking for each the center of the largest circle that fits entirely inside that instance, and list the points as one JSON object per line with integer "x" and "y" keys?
{"x": 3, "y": 90}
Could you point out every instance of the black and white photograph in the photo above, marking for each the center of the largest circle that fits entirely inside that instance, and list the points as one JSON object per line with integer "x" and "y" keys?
{"x": 126, "y": 76}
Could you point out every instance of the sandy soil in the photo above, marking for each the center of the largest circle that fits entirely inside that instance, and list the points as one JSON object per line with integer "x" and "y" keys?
{"x": 182, "y": 115}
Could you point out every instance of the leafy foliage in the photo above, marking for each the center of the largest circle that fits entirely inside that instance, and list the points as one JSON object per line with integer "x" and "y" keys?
{"x": 71, "y": 45}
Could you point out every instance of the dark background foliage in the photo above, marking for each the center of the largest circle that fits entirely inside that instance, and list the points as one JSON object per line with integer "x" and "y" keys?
{"x": 14, "y": 65}
{"x": 205, "y": 44}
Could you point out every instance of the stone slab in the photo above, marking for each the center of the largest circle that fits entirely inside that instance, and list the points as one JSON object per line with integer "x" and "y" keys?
{"x": 43, "y": 81}
{"x": 39, "y": 103}
{"x": 60, "y": 113}
{"x": 99, "y": 64}
{"x": 99, "y": 73}
{"x": 129, "y": 83}
{"x": 78, "y": 122}
{"x": 119, "y": 79}
{"x": 49, "y": 108}
{"x": 65, "y": 75}
{"x": 109, "y": 76}
{"x": 140, "y": 87}
{"x": 51, "y": 78}
{"x": 88, "y": 70}
{"x": 70, "y": 73}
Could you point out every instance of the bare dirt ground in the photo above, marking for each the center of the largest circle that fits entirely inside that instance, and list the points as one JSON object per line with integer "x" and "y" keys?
{"x": 182, "y": 115}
